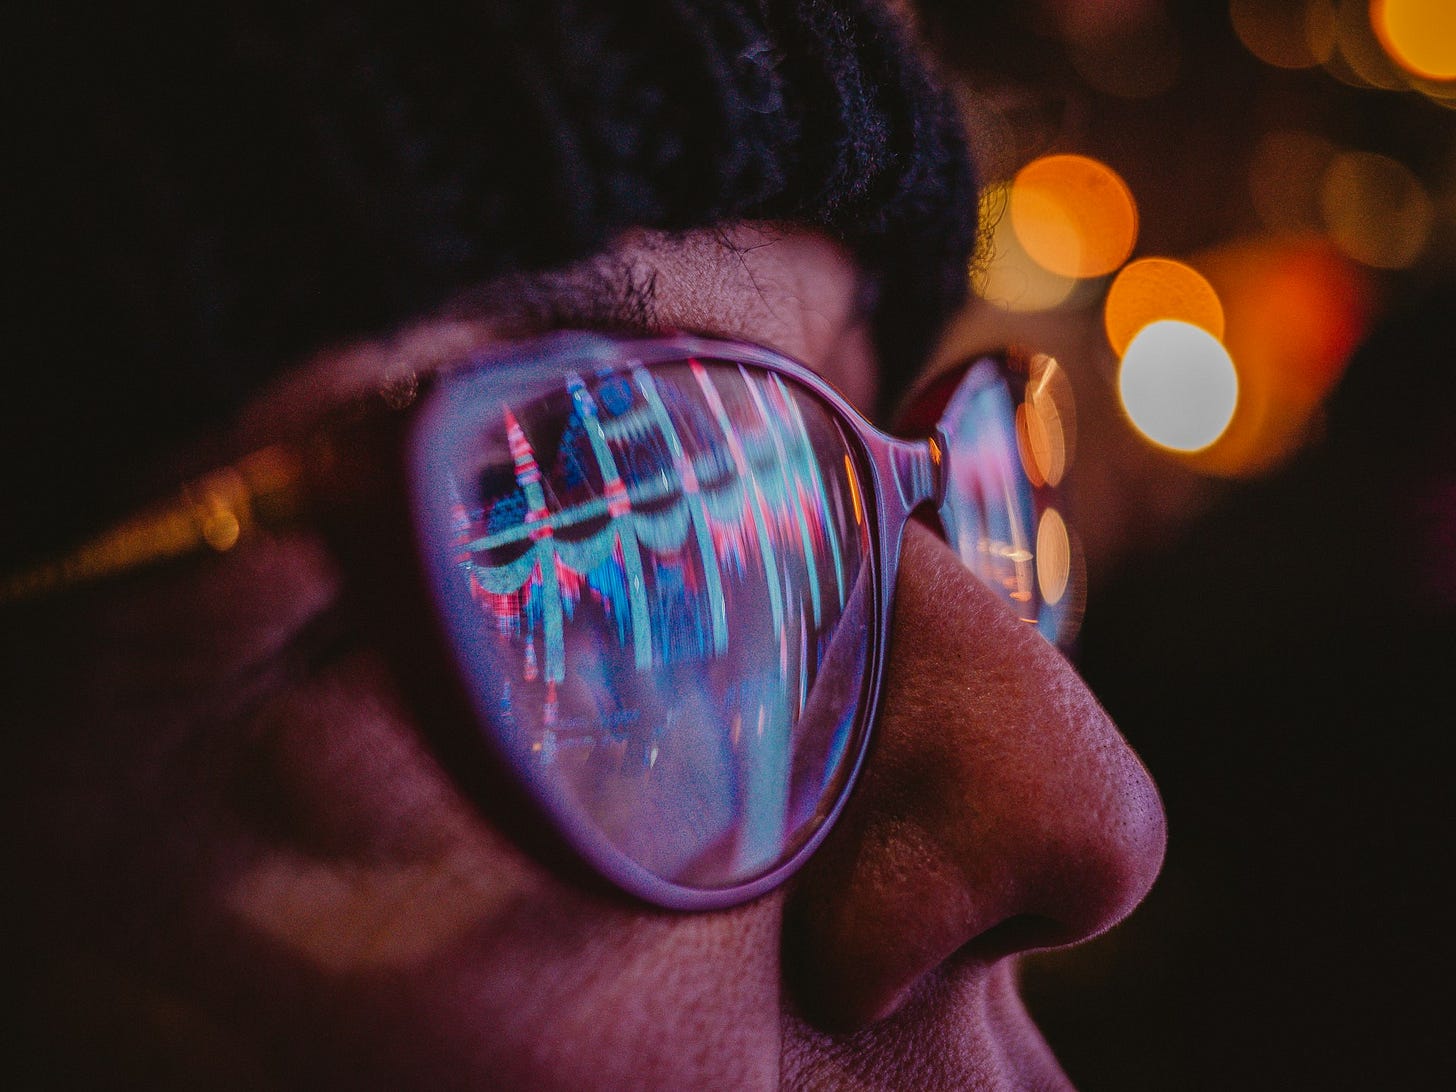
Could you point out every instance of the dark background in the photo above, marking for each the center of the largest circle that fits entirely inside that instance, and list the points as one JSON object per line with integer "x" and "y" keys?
{"x": 1279, "y": 645}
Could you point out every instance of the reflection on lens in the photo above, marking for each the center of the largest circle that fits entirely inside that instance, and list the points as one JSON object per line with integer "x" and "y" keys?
{"x": 1002, "y": 451}
{"x": 1053, "y": 556}
{"x": 661, "y": 561}
{"x": 1045, "y": 422}
{"x": 989, "y": 499}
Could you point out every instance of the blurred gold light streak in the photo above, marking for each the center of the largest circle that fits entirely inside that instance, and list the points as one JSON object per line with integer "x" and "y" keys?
{"x": 210, "y": 513}
{"x": 853, "y": 480}
{"x": 368, "y": 917}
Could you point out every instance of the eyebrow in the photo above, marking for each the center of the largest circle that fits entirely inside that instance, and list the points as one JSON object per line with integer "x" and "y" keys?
{"x": 606, "y": 292}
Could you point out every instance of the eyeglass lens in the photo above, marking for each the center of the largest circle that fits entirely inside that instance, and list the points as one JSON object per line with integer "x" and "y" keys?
{"x": 670, "y": 565}
{"x": 1002, "y": 453}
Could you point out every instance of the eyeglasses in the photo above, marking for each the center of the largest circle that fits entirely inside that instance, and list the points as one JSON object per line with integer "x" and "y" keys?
{"x": 661, "y": 571}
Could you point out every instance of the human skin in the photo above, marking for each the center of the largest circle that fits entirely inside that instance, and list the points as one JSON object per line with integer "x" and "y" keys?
{"x": 246, "y": 867}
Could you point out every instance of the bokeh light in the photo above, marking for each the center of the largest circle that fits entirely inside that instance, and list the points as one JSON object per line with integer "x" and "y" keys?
{"x": 1440, "y": 92}
{"x": 1046, "y": 422}
{"x": 1073, "y": 215}
{"x": 1009, "y": 277}
{"x": 1358, "y": 57}
{"x": 1053, "y": 556}
{"x": 1078, "y": 20}
{"x": 1178, "y": 385}
{"x": 1280, "y": 34}
{"x": 1137, "y": 60}
{"x": 1294, "y": 308}
{"x": 1286, "y": 176}
{"x": 1376, "y": 210}
{"x": 1419, "y": 35}
{"x": 1153, "y": 289}
{"x": 221, "y": 529}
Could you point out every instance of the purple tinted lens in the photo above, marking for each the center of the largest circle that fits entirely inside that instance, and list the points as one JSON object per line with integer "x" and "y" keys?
{"x": 662, "y": 591}
{"x": 1006, "y": 529}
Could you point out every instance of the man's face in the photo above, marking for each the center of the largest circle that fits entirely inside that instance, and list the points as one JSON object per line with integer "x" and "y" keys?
{"x": 253, "y": 864}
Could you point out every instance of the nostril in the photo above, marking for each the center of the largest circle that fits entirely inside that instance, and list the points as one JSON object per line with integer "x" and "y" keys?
{"x": 1022, "y": 933}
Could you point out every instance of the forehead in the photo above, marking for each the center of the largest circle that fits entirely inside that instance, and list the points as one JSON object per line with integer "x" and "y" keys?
{"x": 789, "y": 289}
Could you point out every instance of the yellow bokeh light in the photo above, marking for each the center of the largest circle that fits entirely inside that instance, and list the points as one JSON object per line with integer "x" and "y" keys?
{"x": 221, "y": 529}
{"x": 1376, "y": 210}
{"x": 1178, "y": 385}
{"x": 1073, "y": 215}
{"x": 1152, "y": 289}
{"x": 1009, "y": 278}
{"x": 1053, "y": 556}
{"x": 1419, "y": 35}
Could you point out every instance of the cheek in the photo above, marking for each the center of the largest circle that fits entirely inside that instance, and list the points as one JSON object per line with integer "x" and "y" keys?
{"x": 305, "y": 884}
{"x": 572, "y": 995}
{"x": 399, "y": 909}
{"x": 362, "y": 857}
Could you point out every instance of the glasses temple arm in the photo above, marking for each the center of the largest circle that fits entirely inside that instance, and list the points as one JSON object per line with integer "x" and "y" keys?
{"x": 264, "y": 489}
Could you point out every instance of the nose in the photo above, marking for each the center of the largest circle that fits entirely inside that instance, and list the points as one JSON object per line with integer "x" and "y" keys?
{"x": 999, "y": 809}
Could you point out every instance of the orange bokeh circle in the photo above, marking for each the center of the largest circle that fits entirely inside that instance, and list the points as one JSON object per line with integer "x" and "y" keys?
{"x": 1073, "y": 215}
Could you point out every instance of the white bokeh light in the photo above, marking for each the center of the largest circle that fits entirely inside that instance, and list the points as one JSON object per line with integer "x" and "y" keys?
{"x": 1178, "y": 385}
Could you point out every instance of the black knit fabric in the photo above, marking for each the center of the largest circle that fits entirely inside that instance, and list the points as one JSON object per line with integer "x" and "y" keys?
{"x": 205, "y": 195}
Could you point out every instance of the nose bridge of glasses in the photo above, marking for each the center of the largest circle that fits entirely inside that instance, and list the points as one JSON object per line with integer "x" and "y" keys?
{"x": 917, "y": 469}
